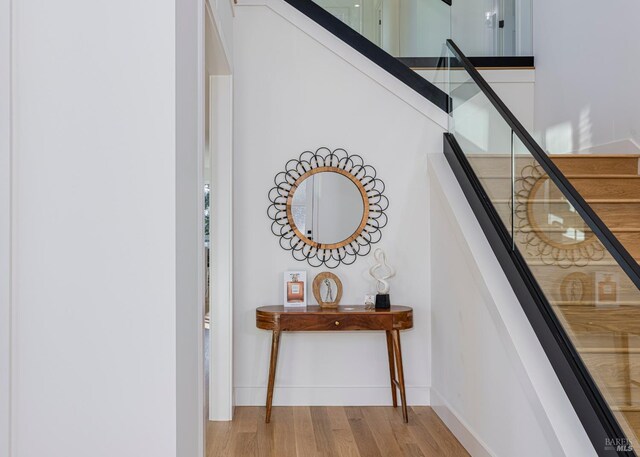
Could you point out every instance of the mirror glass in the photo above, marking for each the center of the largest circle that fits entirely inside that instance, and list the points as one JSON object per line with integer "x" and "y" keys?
{"x": 553, "y": 217}
{"x": 327, "y": 207}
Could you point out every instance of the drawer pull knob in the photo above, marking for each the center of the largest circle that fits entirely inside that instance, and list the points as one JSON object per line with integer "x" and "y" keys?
{"x": 337, "y": 323}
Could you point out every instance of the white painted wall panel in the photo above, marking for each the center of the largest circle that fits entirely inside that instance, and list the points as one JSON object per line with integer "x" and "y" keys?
{"x": 5, "y": 225}
{"x": 586, "y": 74}
{"x": 291, "y": 93}
{"x": 94, "y": 280}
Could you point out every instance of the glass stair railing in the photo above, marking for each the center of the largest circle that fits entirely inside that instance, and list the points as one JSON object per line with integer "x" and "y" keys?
{"x": 586, "y": 282}
{"x": 418, "y": 28}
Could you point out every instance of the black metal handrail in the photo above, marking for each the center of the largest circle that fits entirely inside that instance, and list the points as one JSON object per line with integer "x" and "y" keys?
{"x": 608, "y": 239}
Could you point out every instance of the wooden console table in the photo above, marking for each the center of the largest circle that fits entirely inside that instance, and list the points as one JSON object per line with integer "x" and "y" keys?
{"x": 279, "y": 319}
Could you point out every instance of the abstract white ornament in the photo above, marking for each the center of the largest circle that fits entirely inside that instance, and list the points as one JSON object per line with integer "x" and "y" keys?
{"x": 381, "y": 271}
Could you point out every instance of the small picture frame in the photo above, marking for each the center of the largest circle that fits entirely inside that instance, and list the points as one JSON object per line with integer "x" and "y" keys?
{"x": 369, "y": 301}
{"x": 327, "y": 290}
{"x": 295, "y": 289}
{"x": 606, "y": 288}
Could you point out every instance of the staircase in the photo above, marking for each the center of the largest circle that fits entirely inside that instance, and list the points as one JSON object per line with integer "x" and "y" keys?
{"x": 605, "y": 328}
{"x": 611, "y": 186}
{"x": 563, "y": 228}
{"x": 609, "y": 335}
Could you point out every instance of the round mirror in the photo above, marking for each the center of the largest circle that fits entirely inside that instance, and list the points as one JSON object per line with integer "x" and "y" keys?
{"x": 327, "y": 207}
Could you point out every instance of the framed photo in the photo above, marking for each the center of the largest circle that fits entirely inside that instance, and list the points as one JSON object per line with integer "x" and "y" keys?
{"x": 606, "y": 288}
{"x": 295, "y": 289}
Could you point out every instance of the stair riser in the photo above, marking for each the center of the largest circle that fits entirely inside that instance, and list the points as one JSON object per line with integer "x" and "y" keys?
{"x": 631, "y": 241}
{"x": 587, "y": 320}
{"x": 556, "y": 281}
{"x": 599, "y": 188}
{"x": 576, "y": 165}
{"x": 614, "y": 215}
{"x": 589, "y": 188}
{"x": 597, "y": 165}
{"x": 618, "y": 215}
{"x": 630, "y": 422}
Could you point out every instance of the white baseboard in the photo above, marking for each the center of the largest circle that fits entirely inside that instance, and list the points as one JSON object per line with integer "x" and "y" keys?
{"x": 329, "y": 396}
{"x": 467, "y": 437}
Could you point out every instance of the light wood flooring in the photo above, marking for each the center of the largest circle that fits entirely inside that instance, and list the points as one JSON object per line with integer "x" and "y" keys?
{"x": 319, "y": 431}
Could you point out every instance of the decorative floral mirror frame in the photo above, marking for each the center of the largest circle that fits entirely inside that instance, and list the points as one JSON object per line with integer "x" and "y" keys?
{"x": 374, "y": 203}
{"x": 535, "y": 239}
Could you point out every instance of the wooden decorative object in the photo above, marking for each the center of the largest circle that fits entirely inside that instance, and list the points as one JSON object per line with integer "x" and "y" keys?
{"x": 317, "y": 284}
{"x": 577, "y": 288}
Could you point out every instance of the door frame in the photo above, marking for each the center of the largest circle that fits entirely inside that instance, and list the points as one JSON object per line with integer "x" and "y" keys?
{"x": 221, "y": 242}
{"x": 220, "y": 108}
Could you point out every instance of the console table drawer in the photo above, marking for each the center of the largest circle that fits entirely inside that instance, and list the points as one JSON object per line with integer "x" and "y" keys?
{"x": 336, "y": 321}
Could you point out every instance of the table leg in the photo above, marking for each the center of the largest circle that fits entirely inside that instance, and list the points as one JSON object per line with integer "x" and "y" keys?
{"x": 275, "y": 343}
{"x": 392, "y": 368}
{"x": 398, "y": 352}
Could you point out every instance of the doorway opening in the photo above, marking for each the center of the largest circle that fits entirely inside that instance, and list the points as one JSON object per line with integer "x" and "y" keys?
{"x": 218, "y": 222}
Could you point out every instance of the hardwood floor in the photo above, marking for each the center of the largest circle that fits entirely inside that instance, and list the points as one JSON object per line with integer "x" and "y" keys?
{"x": 318, "y": 431}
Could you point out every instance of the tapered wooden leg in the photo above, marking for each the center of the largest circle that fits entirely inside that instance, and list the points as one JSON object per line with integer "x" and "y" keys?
{"x": 398, "y": 352}
{"x": 392, "y": 369}
{"x": 275, "y": 344}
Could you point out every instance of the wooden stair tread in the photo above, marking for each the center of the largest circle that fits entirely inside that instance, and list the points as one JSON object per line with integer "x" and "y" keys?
{"x": 608, "y": 350}
{"x": 594, "y": 156}
{"x": 625, "y": 408}
{"x": 570, "y": 176}
{"x": 557, "y": 156}
{"x": 562, "y": 200}
{"x": 588, "y": 303}
{"x": 586, "y": 229}
{"x": 535, "y": 262}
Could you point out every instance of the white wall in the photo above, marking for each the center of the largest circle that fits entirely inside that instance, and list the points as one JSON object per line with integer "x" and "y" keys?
{"x": 97, "y": 161}
{"x": 469, "y": 29}
{"x": 291, "y": 94}
{"x": 190, "y": 67}
{"x": 424, "y": 27}
{"x": 475, "y": 37}
{"x": 5, "y": 226}
{"x": 586, "y": 68}
{"x": 492, "y": 383}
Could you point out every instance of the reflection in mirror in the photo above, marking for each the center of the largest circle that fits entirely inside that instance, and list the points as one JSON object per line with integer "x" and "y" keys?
{"x": 327, "y": 208}
{"x": 554, "y": 217}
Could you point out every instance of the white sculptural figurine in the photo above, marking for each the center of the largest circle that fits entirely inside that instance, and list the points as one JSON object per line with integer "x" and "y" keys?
{"x": 381, "y": 272}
